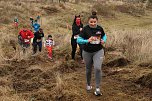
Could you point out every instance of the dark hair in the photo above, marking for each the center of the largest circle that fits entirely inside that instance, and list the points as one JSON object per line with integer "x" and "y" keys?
{"x": 94, "y": 13}
{"x": 31, "y": 18}
{"x": 50, "y": 36}
{"x": 40, "y": 29}
{"x": 93, "y": 17}
{"x": 76, "y": 16}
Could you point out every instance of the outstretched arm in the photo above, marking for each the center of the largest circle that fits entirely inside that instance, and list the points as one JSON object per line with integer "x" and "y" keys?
{"x": 81, "y": 40}
{"x": 104, "y": 38}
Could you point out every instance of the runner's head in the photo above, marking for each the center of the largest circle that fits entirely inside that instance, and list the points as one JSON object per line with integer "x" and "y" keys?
{"x": 92, "y": 20}
{"x": 77, "y": 20}
{"x": 40, "y": 30}
{"x": 24, "y": 28}
{"x": 35, "y": 21}
{"x": 15, "y": 17}
{"x": 94, "y": 12}
{"x": 49, "y": 36}
{"x": 31, "y": 18}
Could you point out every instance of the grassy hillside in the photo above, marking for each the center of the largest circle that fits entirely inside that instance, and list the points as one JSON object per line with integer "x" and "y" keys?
{"x": 127, "y": 66}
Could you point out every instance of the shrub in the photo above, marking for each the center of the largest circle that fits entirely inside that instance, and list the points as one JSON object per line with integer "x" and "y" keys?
{"x": 109, "y": 9}
{"x": 104, "y": 10}
{"x": 50, "y": 10}
{"x": 130, "y": 8}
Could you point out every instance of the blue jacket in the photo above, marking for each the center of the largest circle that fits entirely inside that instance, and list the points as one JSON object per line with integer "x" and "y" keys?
{"x": 80, "y": 40}
{"x": 36, "y": 27}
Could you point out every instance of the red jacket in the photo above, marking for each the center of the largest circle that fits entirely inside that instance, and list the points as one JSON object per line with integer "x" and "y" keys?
{"x": 26, "y": 35}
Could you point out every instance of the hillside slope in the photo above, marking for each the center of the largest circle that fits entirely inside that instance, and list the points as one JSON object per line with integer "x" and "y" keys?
{"x": 35, "y": 78}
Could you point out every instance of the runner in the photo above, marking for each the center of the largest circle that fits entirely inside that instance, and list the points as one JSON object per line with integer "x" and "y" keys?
{"x": 24, "y": 38}
{"x": 36, "y": 26}
{"x": 49, "y": 45}
{"x": 93, "y": 38}
{"x": 37, "y": 41}
{"x": 76, "y": 29}
{"x": 16, "y": 22}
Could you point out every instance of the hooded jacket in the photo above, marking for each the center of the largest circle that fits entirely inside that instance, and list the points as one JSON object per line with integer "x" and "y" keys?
{"x": 36, "y": 27}
{"x": 26, "y": 35}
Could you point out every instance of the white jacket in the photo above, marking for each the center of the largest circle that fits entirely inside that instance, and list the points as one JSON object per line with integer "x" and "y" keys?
{"x": 49, "y": 42}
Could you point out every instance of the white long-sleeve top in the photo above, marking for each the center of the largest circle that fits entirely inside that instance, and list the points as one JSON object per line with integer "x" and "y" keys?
{"x": 49, "y": 42}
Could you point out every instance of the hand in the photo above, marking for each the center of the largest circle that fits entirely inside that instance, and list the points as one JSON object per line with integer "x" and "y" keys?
{"x": 80, "y": 29}
{"x": 28, "y": 37}
{"x": 90, "y": 39}
{"x": 93, "y": 38}
{"x": 102, "y": 41}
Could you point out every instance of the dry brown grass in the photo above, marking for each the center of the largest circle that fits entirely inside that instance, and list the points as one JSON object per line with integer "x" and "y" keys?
{"x": 11, "y": 50}
{"x": 135, "y": 44}
{"x": 132, "y": 9}
{"x": 33, "y": 81}
{"x": 105, "y": 10}
{"x": 6, "y": 94}
{"x": 109, "y": 9}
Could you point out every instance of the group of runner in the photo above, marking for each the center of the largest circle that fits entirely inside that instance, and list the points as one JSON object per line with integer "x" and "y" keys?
{"x": 90, "y": 39}
{"x": 35, "y": 37}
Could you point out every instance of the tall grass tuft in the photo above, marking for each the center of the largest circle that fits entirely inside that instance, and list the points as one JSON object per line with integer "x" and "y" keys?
{"x": 134, "y": 44}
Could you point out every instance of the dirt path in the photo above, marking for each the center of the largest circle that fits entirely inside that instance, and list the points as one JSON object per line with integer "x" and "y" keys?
{"x": 118, "y": 84}
{"x": 40, "y": 79}
{"x": 36, "y": 78}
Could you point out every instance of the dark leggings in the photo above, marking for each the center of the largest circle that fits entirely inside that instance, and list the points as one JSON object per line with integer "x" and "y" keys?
{"x": 39, "y": 44}
{"x": 74, "y": 47}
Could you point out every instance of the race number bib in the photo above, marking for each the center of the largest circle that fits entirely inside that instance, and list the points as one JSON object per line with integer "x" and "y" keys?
{"x": 38, "y": 40}
{"x": 96, "y": 40}
{"x": 26, "y": 40}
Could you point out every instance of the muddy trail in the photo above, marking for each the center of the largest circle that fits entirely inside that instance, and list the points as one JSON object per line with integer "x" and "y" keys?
{"x": 39, "y": 79}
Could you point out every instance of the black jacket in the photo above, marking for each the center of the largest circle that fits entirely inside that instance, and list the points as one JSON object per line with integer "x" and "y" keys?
{"x": 97, "y": 32}
{"x": 38, "y": 35}
{"x": 76, "y": 30}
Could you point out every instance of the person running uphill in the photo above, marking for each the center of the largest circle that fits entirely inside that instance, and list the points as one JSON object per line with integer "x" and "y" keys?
{"x": 37, "y": 41}
{"x": 76, "y": 29}
{"x": 49, "y": 43}
{"x": 36, "y": 26}
{"x": 93, "y": 37}
{"x": 16, "y": 22}
{"x": 25, "y": 37}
